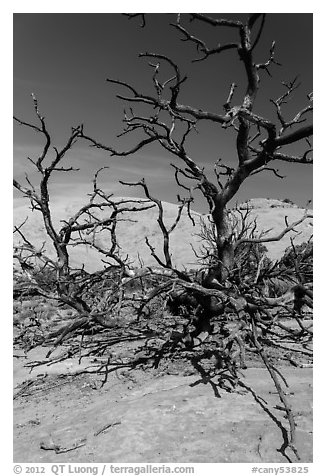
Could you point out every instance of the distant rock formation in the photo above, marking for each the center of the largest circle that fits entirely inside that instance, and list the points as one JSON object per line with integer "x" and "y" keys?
{"x": 131, "y": 232}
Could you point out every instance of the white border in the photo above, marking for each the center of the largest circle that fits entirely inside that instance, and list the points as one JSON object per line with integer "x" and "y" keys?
{"x": 60, "y": 6}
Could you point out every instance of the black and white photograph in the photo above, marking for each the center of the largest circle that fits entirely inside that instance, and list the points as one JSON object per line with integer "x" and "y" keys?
{"x": 162, "y": 240}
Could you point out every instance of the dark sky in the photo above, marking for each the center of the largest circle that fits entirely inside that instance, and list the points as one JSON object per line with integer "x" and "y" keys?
{"x": 65, "y": 59}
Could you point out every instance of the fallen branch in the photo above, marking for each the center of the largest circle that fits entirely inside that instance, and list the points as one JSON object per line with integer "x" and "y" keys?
{"x": 281, "y": 394}
{"x": 106, "y": 427}
{"x": 50, "y": 445}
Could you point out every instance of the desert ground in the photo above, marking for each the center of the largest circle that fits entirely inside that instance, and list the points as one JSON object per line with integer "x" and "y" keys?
{"x": 173, "y": 413}
{"x": 170, "y": 414}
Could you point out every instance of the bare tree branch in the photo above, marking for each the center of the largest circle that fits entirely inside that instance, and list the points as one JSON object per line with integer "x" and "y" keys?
{"x": 286, "y": 230}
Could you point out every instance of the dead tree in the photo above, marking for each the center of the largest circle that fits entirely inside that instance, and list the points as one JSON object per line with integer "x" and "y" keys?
{"x": 258, "y": 140}
{"x": 100, "y": 214}
{"x": 231, "y": 308}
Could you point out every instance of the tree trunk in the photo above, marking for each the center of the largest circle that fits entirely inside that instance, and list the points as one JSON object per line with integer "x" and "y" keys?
{"x": 224, "y": 259}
